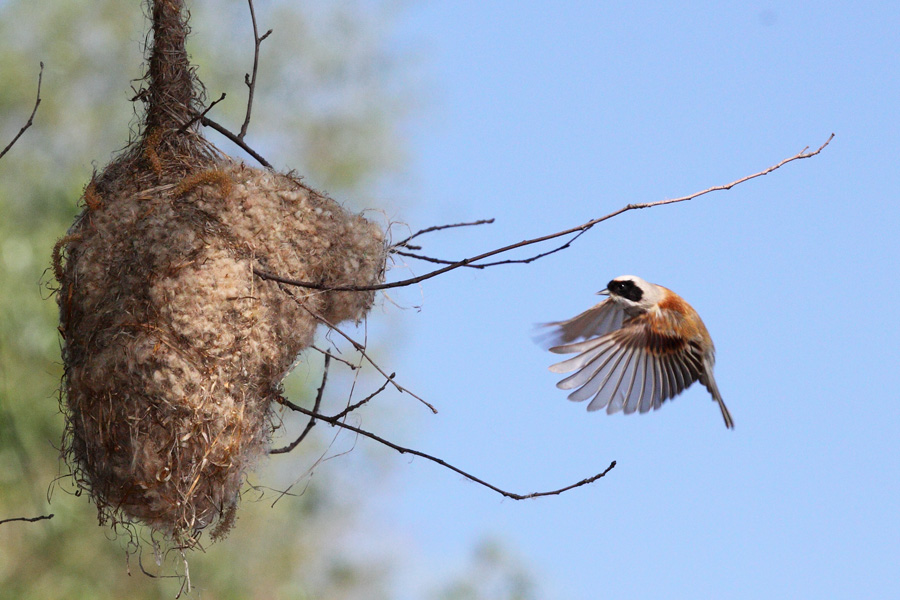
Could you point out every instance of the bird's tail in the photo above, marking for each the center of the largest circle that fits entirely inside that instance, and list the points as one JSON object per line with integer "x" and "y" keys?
{"x": 710, "y": 384}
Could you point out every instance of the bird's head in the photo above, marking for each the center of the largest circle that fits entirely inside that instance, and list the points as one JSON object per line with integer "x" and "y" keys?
{"x": 633, "y": 292}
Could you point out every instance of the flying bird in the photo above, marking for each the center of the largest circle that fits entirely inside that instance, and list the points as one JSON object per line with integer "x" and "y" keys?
{"x": 641, "y": 346}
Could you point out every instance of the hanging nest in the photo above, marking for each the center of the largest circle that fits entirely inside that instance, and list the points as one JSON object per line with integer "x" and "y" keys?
{"x": 174, "y": 350}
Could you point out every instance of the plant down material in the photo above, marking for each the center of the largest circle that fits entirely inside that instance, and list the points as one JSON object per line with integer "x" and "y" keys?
{"x": 173, "y": 349}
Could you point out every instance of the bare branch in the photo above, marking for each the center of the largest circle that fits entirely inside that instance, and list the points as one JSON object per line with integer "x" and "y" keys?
{"x": 495, "y": 263}
{"x": 356, "y": 405}
{"x": 361, "y": 349}
{"x": 37, "y": 103}
{"x": 336, "y": 422}
{"x": 28, "y": 519}
{"x": 352, "y": 366}
{"x": 405, "y": 243}
{"x": 237, "y": 140}
{"x": 199, "y": 116}
{"x": 312, "y": 420}
{"x": 248, "y": 79}
{"x": 799, "y": 156}
{"x": 579, "y": 230}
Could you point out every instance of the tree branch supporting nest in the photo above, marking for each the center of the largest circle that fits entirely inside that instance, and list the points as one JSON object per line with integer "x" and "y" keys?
{"x": 575, "y": 232}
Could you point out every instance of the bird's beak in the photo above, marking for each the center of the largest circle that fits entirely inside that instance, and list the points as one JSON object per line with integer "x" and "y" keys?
{"x": 603, "y": 292}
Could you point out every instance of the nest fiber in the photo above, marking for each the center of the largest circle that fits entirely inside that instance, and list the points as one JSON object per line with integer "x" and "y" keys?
{"x": 174, "y": 347}
{"x": 174, "y": 350}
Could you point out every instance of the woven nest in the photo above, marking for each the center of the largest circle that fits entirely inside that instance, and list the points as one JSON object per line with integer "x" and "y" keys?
{"x": 174, "y": 350}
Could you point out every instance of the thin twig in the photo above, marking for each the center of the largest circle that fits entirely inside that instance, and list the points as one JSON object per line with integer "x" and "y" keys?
{"x": 338, "y": 423}
{"x": 361, "y": 349}
{"x": 37, "y": 103}
{"x": 323, "y": 457}
{"x": 251, "y": 81}
{"x": 405, "y": 242}
{"x": 199, "y": 116}
{"x": 580, "y": 228}
{"x": 525, "y": 261}
{"x": 356, "y": 405}
{"x": 234, "y": 138}
{"x": 28, "y": 519}
{"x": 238, "y": 138}
{"x": 511, "y": 261}
{"x": 312, "y": 420}
{"x": 352, "y": 366}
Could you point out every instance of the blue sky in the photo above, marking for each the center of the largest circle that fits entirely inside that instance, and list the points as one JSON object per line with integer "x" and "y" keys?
{"x": 544, "y": 115}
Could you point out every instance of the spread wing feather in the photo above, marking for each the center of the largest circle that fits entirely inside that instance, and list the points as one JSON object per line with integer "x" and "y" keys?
{"x": 634, "y": 367}
{"x": 596, "y": 321}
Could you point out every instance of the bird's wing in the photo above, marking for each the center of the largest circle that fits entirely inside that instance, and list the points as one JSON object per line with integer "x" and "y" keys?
{"x": 598, "y": 320}
{"x": 634, "y": 368}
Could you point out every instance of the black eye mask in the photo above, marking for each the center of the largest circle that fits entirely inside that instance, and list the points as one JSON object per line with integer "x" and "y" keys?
{"x": 625, "y": 289}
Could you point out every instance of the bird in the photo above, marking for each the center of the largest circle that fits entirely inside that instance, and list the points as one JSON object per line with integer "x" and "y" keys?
{"x": 641, "y": 346}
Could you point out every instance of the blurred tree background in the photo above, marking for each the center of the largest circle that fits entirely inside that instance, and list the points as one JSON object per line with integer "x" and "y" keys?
{"x": 332, "y": 96}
